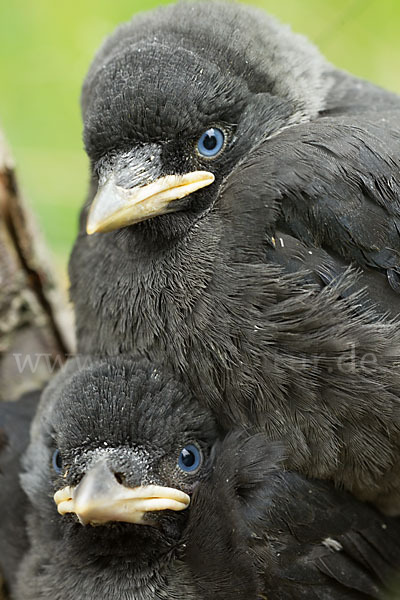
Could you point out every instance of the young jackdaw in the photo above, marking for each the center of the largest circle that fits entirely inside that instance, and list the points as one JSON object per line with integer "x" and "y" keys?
{"x": 134, "y": 493}
{"x": 235, "y": 178}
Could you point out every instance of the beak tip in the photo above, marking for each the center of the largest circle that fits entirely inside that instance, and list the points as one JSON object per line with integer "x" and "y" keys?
{"x": 90, "y": 230}
{"x": 91, "y": 226}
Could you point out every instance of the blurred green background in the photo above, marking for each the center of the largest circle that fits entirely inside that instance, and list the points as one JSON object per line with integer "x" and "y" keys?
{"x": 46, "y": 47}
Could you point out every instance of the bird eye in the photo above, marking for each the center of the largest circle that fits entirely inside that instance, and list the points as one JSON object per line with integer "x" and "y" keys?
{"x": 57, "y": 461}
{"x": 211, "y": 142}
{"x": 190, "y": 458}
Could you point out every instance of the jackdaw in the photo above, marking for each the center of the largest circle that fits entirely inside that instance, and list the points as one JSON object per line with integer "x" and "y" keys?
{"x": 244, "y": 226}
{"x": 134, "y": 492}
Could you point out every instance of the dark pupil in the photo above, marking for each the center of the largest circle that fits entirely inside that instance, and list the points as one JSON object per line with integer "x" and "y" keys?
{"x": 58, "y": 460}
{"x": 188, "y": 458}
{"x": 210, "y": 141}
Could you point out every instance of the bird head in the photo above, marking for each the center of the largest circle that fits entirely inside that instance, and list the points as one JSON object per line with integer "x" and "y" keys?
{"x": 174, "y": 101}
{"x": 117, "y": 450}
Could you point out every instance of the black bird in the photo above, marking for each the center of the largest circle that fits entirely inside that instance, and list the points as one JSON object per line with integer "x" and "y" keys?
{"x": 124, "y": 449}
{"x": 15, "y": 420}
{"x": 246, "y": 198}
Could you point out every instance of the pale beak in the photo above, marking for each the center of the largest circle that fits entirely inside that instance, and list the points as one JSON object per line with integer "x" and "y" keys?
{"x": 115, "y": 206}
{"x": 100, "y": 498}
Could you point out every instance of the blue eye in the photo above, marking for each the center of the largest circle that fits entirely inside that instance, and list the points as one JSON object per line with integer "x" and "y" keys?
{"x": 211, "y": 142}
{"x": 190, "y": 458}
{"x": 57, "y": 461}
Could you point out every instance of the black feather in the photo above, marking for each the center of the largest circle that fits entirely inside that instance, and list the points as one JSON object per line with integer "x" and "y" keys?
{"x": 15, "y": 420}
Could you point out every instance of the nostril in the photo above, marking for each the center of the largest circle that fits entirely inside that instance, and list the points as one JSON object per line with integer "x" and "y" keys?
{"x": 120, "y": 477}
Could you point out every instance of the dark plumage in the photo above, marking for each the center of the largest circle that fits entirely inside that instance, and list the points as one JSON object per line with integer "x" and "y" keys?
{"x": 272, "y": 288}
{"x": 15, "y": 420}
{"x": 252, "y": 530}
